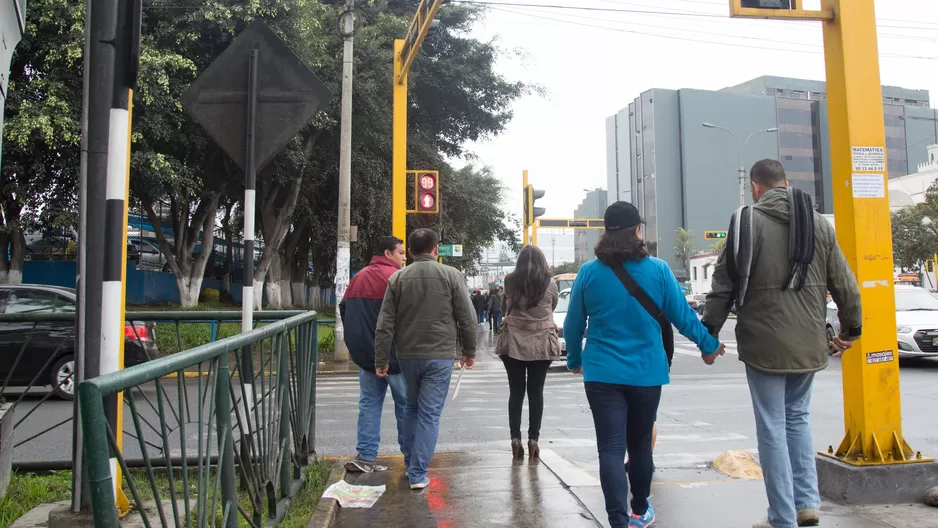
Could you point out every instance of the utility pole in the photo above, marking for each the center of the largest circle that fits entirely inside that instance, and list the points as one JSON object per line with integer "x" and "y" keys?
{"x": 553, "y": 244}
{"x": 345, "y": 176}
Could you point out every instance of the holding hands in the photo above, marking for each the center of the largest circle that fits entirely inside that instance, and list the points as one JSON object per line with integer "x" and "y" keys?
{"x": 710, "y": 358}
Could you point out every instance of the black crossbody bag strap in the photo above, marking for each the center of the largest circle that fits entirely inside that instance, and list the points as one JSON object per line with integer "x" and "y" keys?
{"x": 636, "y": 291}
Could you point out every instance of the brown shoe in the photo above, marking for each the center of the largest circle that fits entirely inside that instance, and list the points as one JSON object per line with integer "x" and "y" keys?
{"x": 809, "y": 517}
{"x": 517, "y": 450}
{"x": 533, "y": 450}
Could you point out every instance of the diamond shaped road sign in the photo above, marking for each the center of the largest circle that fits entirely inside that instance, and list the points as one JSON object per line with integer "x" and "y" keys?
{"x": 289, "y": 95}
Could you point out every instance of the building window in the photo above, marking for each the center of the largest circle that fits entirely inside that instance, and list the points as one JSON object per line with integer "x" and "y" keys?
{"x": 695, "y": 272}
{"x": 705, "y": 273}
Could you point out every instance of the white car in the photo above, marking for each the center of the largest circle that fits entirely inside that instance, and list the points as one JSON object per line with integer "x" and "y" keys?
{"x": 916, "y": 322}
{"x": 560, "y": 313}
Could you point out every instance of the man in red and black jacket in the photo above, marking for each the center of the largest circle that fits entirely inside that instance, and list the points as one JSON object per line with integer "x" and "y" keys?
{"x": 359, "y": 311}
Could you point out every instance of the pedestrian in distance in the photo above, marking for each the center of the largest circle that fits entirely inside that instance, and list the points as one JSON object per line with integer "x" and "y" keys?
{"x": 780, "y": 260}
{"x": 426, "y": 306}
{"x": 624, "y": 363}
{"x": 359, "y": 310}
{"x": 478, "y": 302}
{"x": 528, "y": 343}
{"x": 495, "y": 309}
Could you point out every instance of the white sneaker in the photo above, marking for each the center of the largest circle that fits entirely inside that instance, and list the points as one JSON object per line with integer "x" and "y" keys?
{"x": 420, "y": 485}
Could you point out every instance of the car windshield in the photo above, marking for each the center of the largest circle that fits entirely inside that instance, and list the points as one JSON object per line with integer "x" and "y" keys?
{"x": 915, "y": 300}
{"x": 563, "y": 300}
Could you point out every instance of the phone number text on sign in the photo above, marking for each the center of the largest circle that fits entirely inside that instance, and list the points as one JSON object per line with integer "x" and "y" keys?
{"x": 869, "y": 159}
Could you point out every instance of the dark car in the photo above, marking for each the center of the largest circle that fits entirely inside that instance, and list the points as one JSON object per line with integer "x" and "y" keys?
{"x": 55, "y": 340}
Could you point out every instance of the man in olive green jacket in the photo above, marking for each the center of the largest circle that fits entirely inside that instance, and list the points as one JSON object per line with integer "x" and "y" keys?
{"x": 425, "y": 307}
{"x": 780, "y": 261}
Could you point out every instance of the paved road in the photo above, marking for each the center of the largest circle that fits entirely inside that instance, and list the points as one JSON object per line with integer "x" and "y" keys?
{"x": 704, "y": 411}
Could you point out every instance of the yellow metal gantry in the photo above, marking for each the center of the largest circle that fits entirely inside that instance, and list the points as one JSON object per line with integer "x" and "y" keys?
{"x": 872, "y": 407}
{"x": 405, "y": 51}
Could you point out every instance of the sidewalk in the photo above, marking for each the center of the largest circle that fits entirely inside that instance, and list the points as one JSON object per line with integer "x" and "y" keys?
{"x": 484, "y": 489}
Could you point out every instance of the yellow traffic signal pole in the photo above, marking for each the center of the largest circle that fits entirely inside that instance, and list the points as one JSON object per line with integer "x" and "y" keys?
{"x": 399, "y": 155}
{"x": 405, "y": 51}
{"x": 524, "y": 210}
{"x": 872, "y": 409}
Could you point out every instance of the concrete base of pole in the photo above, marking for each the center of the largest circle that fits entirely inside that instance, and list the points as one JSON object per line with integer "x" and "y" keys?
{"x": 888, "y": 484}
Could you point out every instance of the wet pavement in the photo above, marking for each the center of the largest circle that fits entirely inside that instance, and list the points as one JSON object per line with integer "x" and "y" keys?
{"x": 469, "y": 490}
{"x": 482, "y": 489}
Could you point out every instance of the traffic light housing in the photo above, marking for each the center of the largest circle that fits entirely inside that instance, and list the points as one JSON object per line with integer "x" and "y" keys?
{"x": 427, "y": 186}
{"x": 714, "y": 235}
{"x": 766, "y": 4}
{"x": 530, "y": 212}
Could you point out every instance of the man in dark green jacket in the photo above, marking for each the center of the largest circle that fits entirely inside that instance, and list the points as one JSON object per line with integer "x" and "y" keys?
{"x": 425, "y": 308}
{"x": 780, "y": 260}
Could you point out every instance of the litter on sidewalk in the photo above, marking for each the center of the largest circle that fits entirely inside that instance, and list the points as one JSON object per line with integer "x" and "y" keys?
{"x": 351, "y": 496}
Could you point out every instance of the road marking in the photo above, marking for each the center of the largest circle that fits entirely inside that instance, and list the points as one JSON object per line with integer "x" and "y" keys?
{"x": 567, "y": 472}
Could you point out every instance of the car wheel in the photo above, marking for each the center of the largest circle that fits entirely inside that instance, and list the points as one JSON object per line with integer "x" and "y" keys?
{"x": 62, "y": 378}
{"x": 830, "y": 340}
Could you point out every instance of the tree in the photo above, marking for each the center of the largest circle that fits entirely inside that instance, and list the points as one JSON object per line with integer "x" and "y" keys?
{"x": 684, "y": 249}
{"x": 565, "y": 267}
{"x": 42, "y": 131}
{"x": 912, "y": 241}
{"x": 717, "y": 247}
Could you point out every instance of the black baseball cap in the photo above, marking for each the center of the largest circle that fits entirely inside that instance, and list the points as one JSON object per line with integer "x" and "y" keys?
{"x": 621, "y": 215}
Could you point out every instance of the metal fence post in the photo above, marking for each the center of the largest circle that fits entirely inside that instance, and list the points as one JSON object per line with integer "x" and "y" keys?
{"x": 283, "y": 390}
{"x": 226, "y": 469}
{"x": 313, "y": 345}
{"x": 97, "y": 456}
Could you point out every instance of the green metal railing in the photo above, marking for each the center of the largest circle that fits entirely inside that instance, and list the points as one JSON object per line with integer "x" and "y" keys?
{"x": 255, "y": 434}
{"x": 169, "y": 330}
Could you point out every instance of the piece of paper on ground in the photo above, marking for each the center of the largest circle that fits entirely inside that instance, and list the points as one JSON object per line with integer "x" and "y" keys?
{"x": 350, "y": 496}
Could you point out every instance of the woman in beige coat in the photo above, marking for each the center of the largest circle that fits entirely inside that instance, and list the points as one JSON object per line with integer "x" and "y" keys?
{"x": 528, "y": 343}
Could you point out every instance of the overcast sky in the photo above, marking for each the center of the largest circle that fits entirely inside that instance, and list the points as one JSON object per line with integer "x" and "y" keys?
{"x": 593, "y": 63}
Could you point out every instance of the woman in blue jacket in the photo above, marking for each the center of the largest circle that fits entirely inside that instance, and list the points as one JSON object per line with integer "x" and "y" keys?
{"x": 624, "y": 363}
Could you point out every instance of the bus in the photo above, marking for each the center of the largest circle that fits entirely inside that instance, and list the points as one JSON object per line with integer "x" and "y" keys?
{"x": 564, "y": 281}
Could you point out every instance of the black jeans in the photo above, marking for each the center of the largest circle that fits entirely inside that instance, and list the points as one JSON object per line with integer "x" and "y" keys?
{"x": 531, "y": 374}
{"x": 624, "y": 417}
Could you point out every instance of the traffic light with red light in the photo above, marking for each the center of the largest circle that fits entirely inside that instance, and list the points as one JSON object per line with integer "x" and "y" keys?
{"x": 427, "y": 185}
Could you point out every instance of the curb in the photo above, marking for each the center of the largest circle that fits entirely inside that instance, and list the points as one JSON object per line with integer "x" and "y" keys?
{"x": 328, "y": 509}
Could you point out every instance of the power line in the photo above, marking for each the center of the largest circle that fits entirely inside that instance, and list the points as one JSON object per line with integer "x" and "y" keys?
{"x": 651, "y": 11}
{"x": 700, "y": 41}
{"x": 796, "y": 26}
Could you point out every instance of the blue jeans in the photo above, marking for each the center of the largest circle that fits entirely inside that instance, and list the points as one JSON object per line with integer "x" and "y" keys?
{"x": 427, "y": 382}
{"x": 370, "y": 406}
{"x": 786, "y": 450}
{"x": 495, "y": 321}
{"x": 624, "y": 417}
{"x": 480, "y": 316}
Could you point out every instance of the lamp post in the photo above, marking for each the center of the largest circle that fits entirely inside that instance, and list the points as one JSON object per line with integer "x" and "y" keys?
{"x": 739, "y": 162}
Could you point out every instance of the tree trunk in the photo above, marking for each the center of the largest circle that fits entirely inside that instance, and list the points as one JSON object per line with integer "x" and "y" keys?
{"x": 13, "y": 248}
{"x": 275, "y": 212}
{"x": 273, "y": 284}
{"x": 229, "y": 255}
{"x": 258, "y": 294}
{"x": 188, "y": 269}
{"x": 189, "y": 290}
{"x": 286, "y": 293}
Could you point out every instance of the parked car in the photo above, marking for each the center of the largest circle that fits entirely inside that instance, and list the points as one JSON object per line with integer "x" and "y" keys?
{"x": 916, "y": 322}
{"x": 45, "y": 341}
{"x": 560, "y": 314}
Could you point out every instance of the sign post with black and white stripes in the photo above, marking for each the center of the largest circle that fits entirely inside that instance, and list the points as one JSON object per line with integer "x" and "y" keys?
{"x": 280, "y": 96}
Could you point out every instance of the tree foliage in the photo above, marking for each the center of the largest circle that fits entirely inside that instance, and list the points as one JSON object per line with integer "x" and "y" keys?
{"x": 186, "y": 185}
{"x": 915, "y": 232}
{"x": 565, "y": 267}
{"x": 42, "y": 129}
{"x": 684, "y": 247}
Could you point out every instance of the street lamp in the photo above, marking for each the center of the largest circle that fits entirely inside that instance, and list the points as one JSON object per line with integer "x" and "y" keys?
{"x": 739, "y": 162}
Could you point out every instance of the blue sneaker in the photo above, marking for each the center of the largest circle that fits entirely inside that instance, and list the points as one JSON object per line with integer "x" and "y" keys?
{"x": 643, "y": 521}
